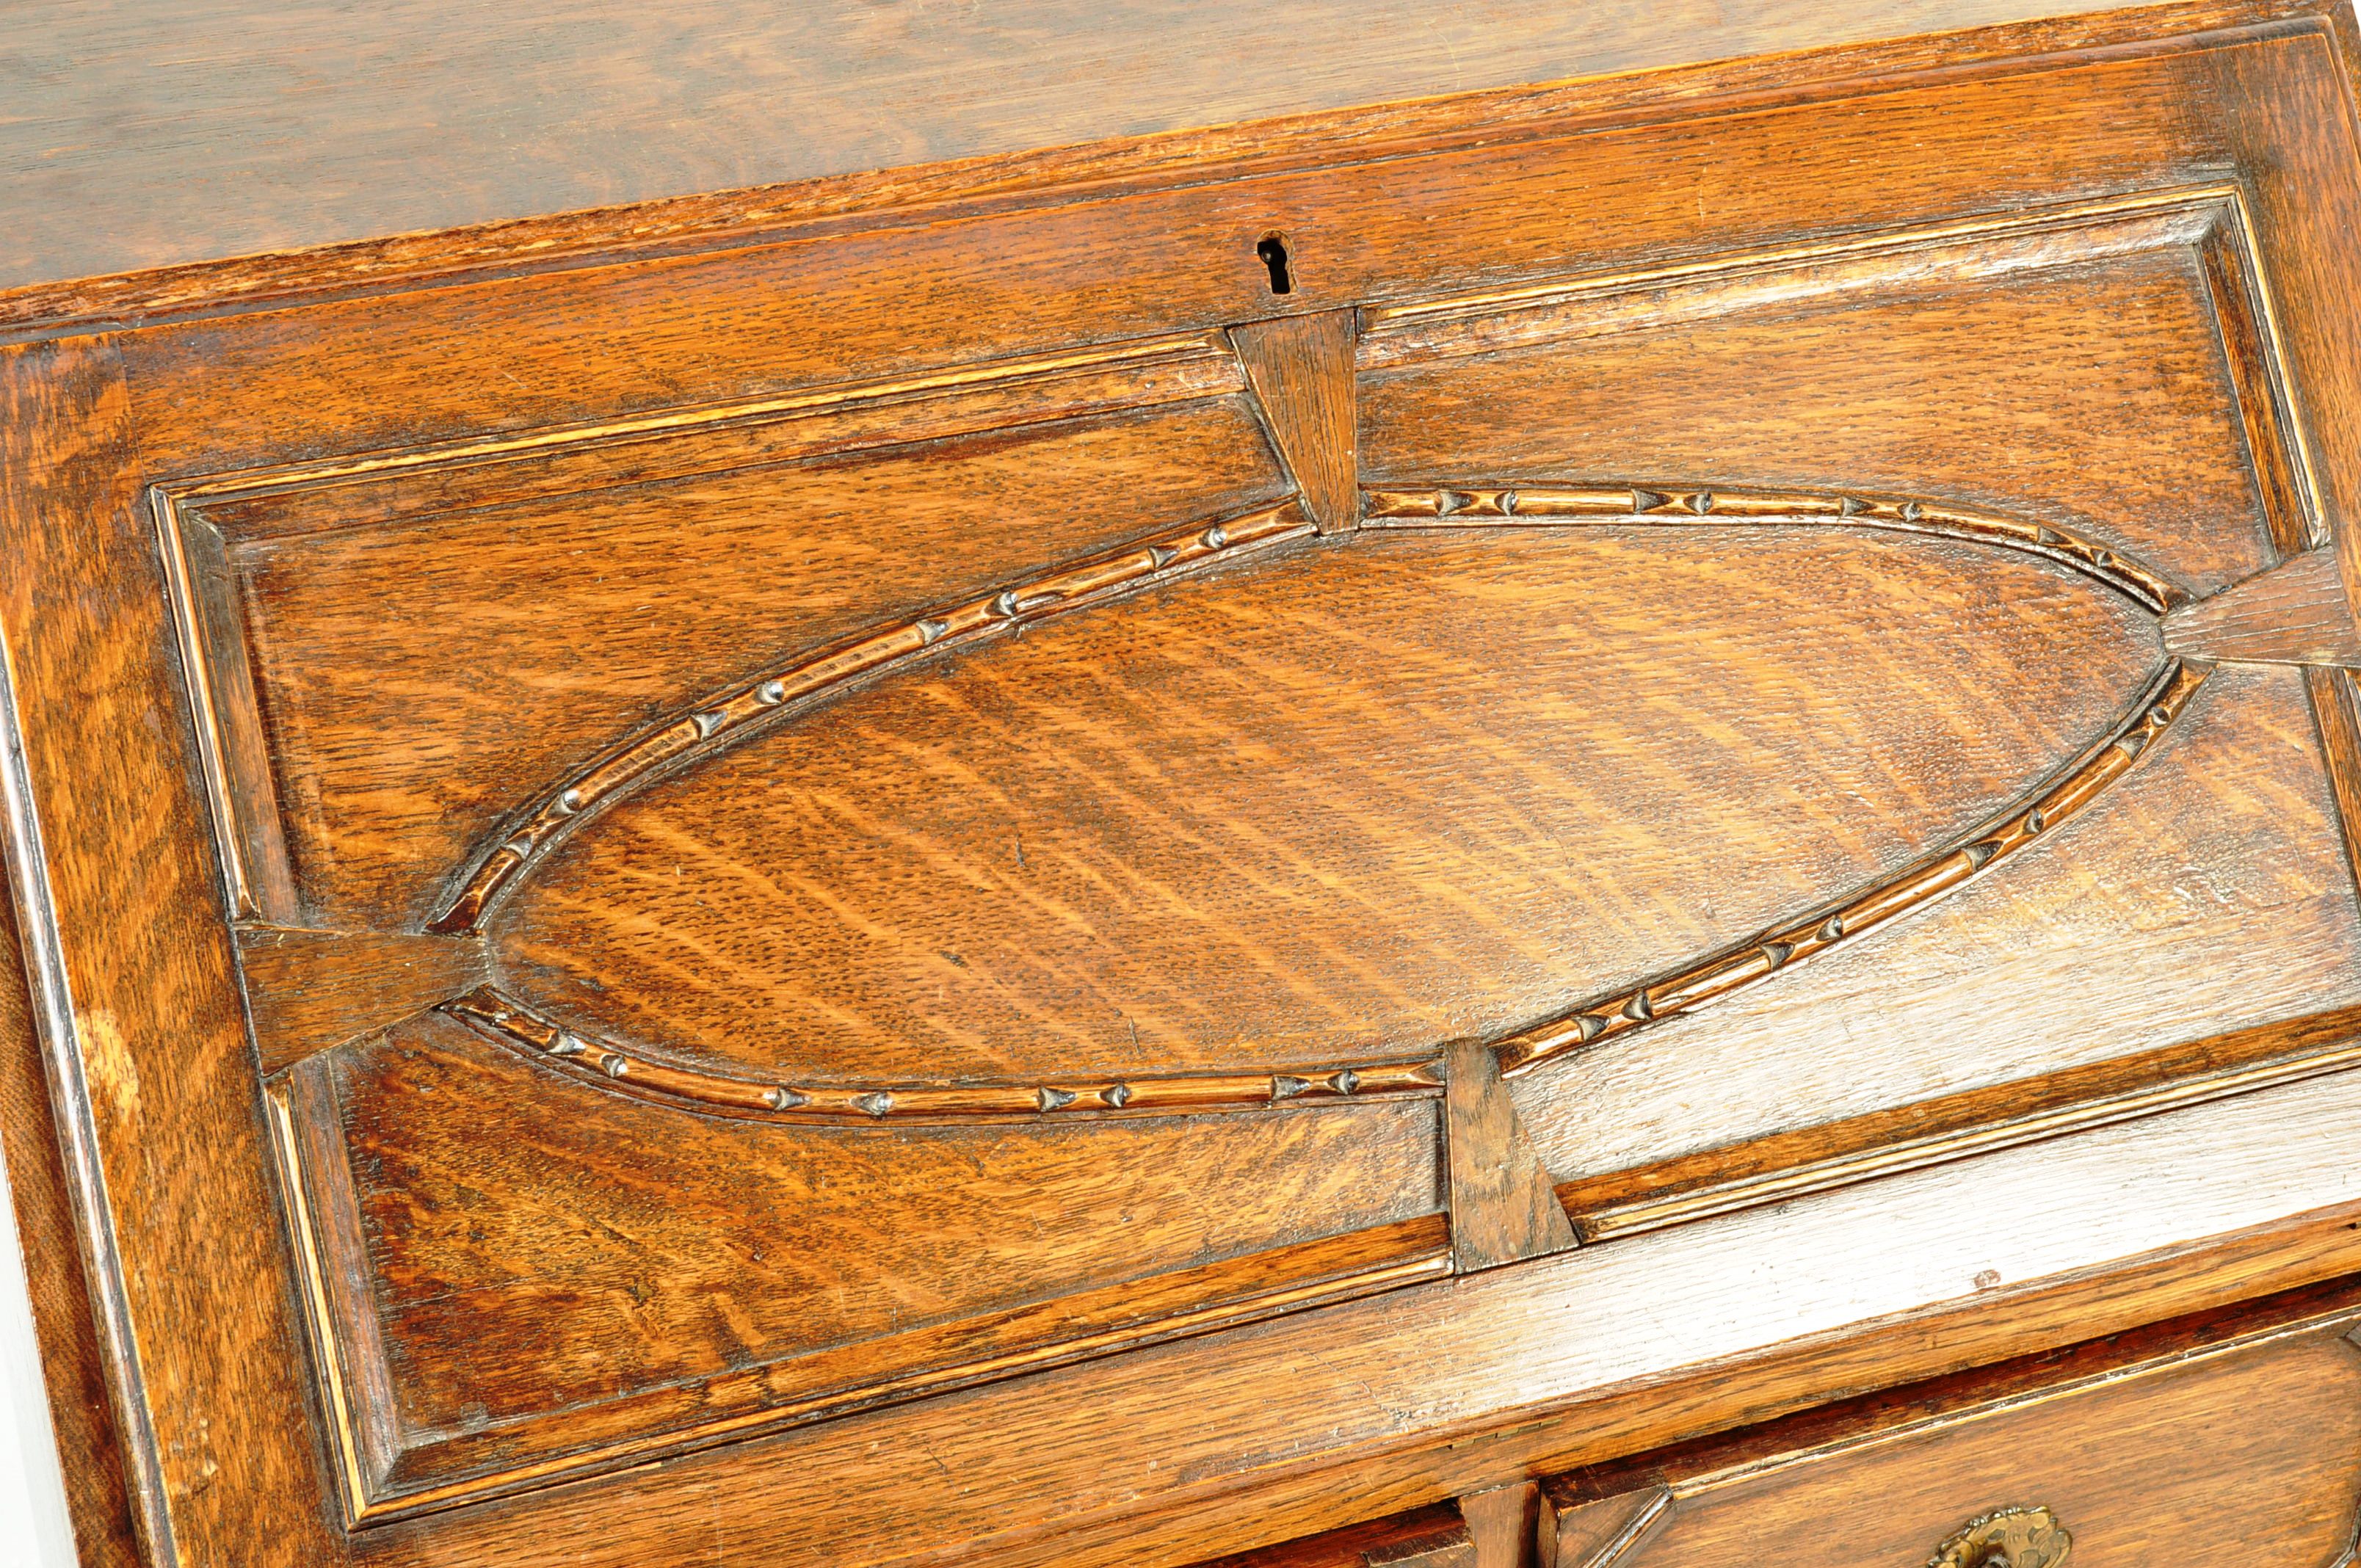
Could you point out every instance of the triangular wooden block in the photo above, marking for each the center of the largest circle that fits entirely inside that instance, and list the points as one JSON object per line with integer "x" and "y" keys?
{"x": 2296, "y": 613}
{"x": 1301, "y": 371}
{"x": 1504, "y": 1206}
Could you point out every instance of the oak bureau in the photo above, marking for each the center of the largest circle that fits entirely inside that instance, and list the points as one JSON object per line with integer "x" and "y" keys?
{"x": 1607, "y": 822}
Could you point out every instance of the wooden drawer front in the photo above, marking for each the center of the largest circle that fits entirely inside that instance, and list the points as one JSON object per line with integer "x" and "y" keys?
{"x": 2251, "y": 1455}
{"x": 2234, "y": 1435}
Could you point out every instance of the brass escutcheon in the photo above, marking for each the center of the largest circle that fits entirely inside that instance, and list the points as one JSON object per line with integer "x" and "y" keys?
{"x": 2008, "y": 1538}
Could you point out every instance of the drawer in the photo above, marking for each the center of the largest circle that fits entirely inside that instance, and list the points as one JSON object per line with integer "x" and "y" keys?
{"x": 2251, "y": 1452}
{"x": 2237, "y": 1438}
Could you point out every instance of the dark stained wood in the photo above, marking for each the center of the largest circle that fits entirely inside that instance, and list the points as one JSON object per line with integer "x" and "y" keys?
{"x": 1396, "y": 1541}
{"x": 2293, "y": 614}
{"x": 934, "y": 869}
{"x": 308, "y": 991}
{"x": 1448, "y": 1547}
{"x": 1503, "y": 1205}
{"x": 1301, "y": 368}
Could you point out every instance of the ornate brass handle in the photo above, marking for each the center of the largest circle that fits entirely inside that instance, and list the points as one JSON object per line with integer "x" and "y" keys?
{"x": 2010, "y": 1538}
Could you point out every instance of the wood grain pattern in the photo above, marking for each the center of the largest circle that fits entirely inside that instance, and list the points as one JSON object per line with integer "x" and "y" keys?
{"x": 351, "y": 626}
{"x": 71, "y": 1360}
{"x": 1504, "y": 1207}
{"x": 730, "y": 716}
{"x": 314, "y": 266}
{"x": 2211, "y": 894}
{"x": 506, "y": 1020}
{"x": 2020, "y": 399}
{"x": 1927, "y": 1132}
{"x": 433, "y": 543}
{"x": 2293, "y": 614}
{"x": 1027, "y": 866}
{"x": 1595, "y": 1513}
{"x": 1899, "y": 898}
{"x": 624, "y": 1286}
{"x": 308, "y": 991}
{"x": 2300, "y": 206}
{"x": 616, "y": 342}
{"x": 2128, "y": 1461}
{"x": 1502, "y": 1522}
{"x": 117, "y": 907}
{"x": 1301, "y": 368}
{"x": 2103, "y": 1233}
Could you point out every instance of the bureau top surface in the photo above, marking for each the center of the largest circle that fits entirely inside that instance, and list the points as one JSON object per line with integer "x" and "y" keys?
{"x": 191, "y": 130}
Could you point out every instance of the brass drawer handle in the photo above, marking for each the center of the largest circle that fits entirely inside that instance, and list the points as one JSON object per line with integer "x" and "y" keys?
{"x": 2010, "y": 1538}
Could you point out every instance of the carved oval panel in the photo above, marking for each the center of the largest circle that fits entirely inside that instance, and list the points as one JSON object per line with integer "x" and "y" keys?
{"x": 1289, "y": 815}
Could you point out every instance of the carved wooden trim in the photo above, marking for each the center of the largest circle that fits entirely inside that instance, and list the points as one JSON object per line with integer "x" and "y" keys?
{"x": 1599, "y": 1531}
{"x": 1449, "y": 1547}
{"x": 751, "y": 707}
{"x": 1925, "y": 880}
{"x": 1491, "y": 319}
{"x": 1504, "y": 1524}
{"x": 378, "y": 1487}
{"x": 1546, "y": 506}
{"x": 257, "y": 881}
{"x": 2336, "y": 708}
{"x": 352, "y": 1472}
{"x": 1204, "y": 351}
{"x": 505, "y": 1021}
{"x": 1976, "y": 1121}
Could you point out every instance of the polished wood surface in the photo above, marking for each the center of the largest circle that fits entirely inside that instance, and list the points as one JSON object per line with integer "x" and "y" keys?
{"x": 1145, "y": 865}
{"x": 312, "y": 130}
{"x": 2235, "y": 1423}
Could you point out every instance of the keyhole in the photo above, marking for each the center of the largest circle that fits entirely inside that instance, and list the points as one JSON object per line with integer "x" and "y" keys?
{"x": 1273, "y": 251}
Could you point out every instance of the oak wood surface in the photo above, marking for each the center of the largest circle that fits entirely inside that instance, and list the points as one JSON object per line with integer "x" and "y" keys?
{"x": 1504, "y": 1207}
{"x": 971, "y": 890}
{"x": 145, "y": 1051}
{"x": 81, "y": 1414}
{"x": 2295, "y": 613}
{"x": 1831, "y": 1301}
{"x": 1301, "y": 368}
{"x": 312, "y": 132}
{"x": 2231, "y": 847}
{"x": 1130, "y": 828}
{"x": 588, "y": 1252}
{"x": 2132, "y": 1454}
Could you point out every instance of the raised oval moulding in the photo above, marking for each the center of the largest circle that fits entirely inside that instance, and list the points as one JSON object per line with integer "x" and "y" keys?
{"x": 795, "y": 692}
